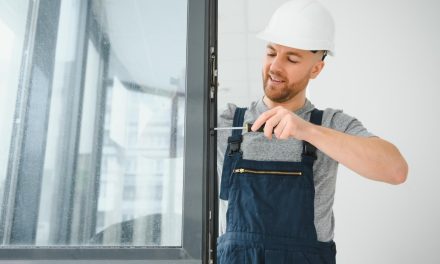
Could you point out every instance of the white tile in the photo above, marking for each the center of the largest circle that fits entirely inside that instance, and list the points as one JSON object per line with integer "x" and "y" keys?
{"x": 254, "y": 69}
{"x": 231, "y": 7}
{"x": 255, "y": 47}
{"x": 232, "y": 70}
{"x": 255, "y": 91}
{"x": 228, "y": 23}
{"x": 233, "y": 92}
{"x": 259, "y": 13}
{"x": 232, "y": 46}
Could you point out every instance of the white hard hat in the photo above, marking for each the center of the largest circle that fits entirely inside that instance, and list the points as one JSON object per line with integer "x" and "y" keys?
{"x": 301, "y": 24}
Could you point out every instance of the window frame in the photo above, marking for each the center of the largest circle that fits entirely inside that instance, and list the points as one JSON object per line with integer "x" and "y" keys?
{"x": 34, "y": 129}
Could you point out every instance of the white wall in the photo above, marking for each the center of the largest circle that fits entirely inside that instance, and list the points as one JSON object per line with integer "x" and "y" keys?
{"x": 386, "y": 73}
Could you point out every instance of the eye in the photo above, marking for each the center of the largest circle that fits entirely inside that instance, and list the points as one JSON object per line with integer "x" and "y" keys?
{"x": 293, "y": 60}
{"x": 271, "y": 54}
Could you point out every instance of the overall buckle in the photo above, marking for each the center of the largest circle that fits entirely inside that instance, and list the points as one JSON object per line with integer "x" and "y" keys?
{"x": 234, "y": 144}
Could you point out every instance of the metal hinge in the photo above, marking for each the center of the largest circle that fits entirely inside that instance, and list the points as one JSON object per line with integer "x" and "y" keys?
{"x": 211, "y": 251}
{"x": 214, "y": 72}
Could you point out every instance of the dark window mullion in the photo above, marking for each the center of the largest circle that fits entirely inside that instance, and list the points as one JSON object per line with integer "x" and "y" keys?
{"x": 195, "y": 221}
{"x": 212, "y": 194}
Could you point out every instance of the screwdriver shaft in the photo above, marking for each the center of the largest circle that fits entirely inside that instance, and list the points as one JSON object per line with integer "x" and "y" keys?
{"x": 246, "y": 127}
{"x": 227, "y": 128}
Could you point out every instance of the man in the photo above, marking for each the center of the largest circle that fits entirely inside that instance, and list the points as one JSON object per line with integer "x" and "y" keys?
{"x": 278, "y": 186}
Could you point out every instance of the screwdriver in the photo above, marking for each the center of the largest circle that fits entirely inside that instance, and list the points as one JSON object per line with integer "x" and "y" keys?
{"x": 246, "y": 127}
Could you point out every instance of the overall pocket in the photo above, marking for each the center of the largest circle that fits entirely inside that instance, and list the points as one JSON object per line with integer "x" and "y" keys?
{"x": 238, "y": 255}
{"x": 290, "y": 257}
{"x": 276, "y": 203}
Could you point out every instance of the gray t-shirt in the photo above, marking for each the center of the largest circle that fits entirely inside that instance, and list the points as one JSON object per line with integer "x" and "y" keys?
{"x": 257, "y": 147}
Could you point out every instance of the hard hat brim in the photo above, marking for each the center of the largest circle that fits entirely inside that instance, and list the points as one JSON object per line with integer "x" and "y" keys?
{"x": 297, "y": 43}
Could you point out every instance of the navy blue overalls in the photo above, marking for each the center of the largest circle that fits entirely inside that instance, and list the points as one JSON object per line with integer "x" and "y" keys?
{"x": 270, "y": 216}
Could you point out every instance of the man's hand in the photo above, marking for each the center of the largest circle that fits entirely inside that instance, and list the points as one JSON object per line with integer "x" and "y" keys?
{"x": 281, "y": 122}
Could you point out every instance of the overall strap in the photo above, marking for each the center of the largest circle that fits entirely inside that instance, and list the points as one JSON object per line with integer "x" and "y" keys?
{"x": 234, "y": 141}
{"x": 233, "y": 153}
{"x": 309, "y": 151}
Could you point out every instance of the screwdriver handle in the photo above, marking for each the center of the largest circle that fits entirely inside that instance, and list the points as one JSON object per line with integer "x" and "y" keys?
{"x": 249, "y": 125}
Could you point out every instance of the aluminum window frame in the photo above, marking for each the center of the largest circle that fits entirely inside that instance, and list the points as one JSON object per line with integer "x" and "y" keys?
{"x": 197, "y": 120}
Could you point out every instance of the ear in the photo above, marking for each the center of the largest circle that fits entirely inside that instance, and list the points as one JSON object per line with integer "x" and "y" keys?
{"x": 316, "y": 69}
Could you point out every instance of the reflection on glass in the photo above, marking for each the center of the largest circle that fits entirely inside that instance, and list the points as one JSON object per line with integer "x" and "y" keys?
{"x": 113, "y": 164}
{"x": 13, "y": 15}
{"x": 141, "y": 168}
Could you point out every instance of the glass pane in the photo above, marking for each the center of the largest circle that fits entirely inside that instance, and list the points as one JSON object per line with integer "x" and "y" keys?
{"x": 113, "y": 165}
{"x": 13, "y": 16}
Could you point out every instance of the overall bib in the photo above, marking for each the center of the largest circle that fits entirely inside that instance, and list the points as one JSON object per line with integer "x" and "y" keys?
{"x": 270, "y": 216}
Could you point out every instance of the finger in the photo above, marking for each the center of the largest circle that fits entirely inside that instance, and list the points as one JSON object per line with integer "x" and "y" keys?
{"x": 287, "y": 131}
{"x": 262, "y": 119}
{"x": 271, "y": 123}
{"x": 280, "y": 127}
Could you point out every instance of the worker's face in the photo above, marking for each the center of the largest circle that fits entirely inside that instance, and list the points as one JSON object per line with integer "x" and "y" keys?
{"x": 287, "y": 71}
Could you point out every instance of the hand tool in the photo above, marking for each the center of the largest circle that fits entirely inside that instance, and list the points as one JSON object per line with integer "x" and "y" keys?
{"x": 246, "y": 128}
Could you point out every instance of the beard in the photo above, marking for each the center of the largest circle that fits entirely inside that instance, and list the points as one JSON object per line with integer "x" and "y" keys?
{"x": 279, "y": 94}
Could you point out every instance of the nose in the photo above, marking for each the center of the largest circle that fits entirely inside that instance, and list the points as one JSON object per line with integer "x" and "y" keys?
{"x": 275, "y": 65}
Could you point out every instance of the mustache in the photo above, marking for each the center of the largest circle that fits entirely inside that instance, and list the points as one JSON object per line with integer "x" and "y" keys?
{"x": 274, "y": 75}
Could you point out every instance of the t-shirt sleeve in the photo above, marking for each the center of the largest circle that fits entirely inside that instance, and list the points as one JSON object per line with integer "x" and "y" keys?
{"x": 343, "y": 122}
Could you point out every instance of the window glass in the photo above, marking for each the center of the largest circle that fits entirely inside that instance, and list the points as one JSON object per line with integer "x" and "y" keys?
{"x": 13, "y": 16}
{"x": 113, "y": 151}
